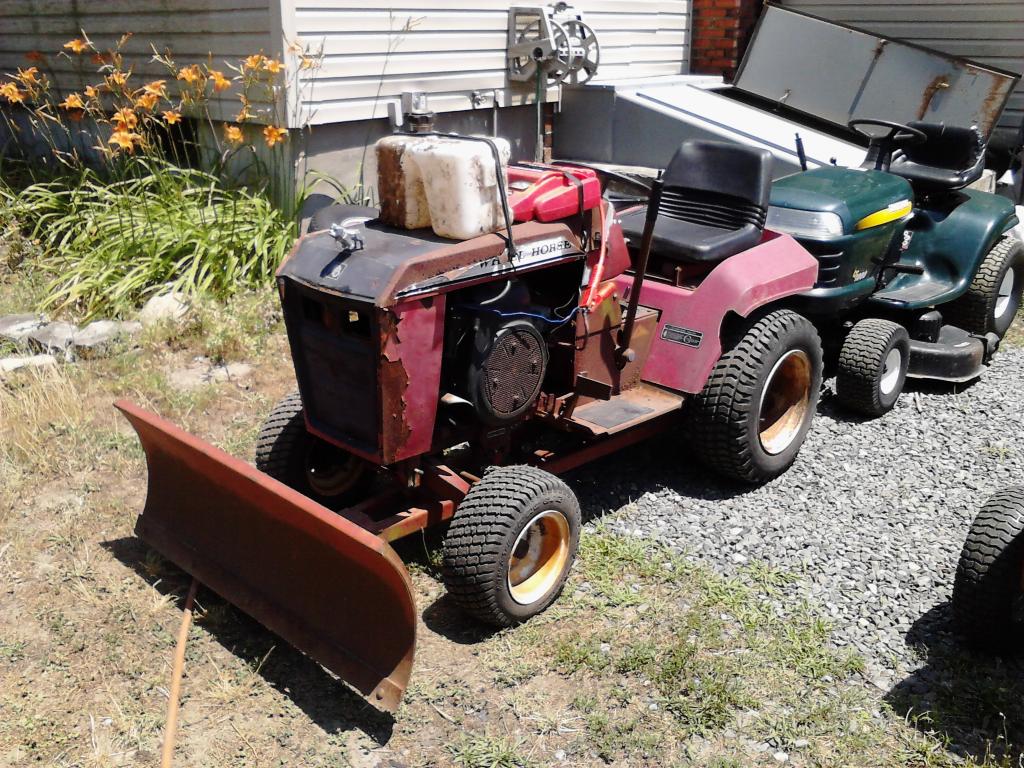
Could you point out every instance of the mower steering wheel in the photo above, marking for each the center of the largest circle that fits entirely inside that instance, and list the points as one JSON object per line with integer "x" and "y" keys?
{"x": 880, "y": 148}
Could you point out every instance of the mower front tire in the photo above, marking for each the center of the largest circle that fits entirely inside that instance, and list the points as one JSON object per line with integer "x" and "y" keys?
{"x": 988, "y": 590}
{"x": 994, "y": 295}
{"x": 872, "y": 366}
{"x": 286, "y": 451}
{"x": 511, "y": 544}
{"x": 753, "y": 414}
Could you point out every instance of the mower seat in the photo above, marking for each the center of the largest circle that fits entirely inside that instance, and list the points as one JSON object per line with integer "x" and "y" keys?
{"x": 950, "y": 158}
{"x": 714, "y": 202}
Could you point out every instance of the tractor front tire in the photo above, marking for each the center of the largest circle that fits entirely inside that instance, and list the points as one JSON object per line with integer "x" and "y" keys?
{"x": 511, "y": 544}
{"x": 872, "y": 366}
{"x": 286, "y": 451}
{"x": 754, "y": 412}
{"x": 987, "y": 590}
{"x": 994, "y": 295}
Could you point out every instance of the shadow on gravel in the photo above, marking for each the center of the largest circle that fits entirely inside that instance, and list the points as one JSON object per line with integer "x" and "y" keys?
{"x": 326, "y": 700}
{"x": 974, "y": 702}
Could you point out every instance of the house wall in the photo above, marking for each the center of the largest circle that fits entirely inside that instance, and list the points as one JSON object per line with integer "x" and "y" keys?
{"x": 988, "y": 31}
{"x": 191, "y": 29}
{"x": 376, "y": 49}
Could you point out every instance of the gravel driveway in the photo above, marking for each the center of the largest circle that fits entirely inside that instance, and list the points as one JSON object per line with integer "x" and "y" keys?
{"x": 871, "y": 517}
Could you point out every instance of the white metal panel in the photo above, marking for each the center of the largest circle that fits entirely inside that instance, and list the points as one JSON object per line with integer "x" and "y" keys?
{"x": 374, "y": 50}
{"x": 988, "y": 31}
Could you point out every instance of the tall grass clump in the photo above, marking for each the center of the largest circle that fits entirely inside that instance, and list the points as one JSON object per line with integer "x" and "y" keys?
{"x": 131, "y": 186}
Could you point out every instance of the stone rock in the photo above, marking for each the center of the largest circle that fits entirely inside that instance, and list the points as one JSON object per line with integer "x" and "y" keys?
{"x": 101, "y": 333}
{"x": 9, "y": 364}
{"x": 167, "y": 307}
{"x": 16, "y": 327}
{"x": 53, "y": 337}
{"x": 202, "y": 372}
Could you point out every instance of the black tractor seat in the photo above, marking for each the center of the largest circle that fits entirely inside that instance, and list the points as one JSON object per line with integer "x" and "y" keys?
{"x": 713, "y": 203}
{"x": 950, "y": 158}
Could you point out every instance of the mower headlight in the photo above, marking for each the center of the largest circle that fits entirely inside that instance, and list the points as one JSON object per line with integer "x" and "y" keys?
{"x": 816, "y": 225}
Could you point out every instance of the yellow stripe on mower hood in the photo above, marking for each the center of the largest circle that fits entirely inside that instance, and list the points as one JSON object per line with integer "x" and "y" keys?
{"x": 897, "y": 210}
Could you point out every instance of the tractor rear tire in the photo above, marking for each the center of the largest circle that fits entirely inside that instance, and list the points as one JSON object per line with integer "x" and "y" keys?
{"x": 987, "y": 588}
{"x": 994, "y": 295}
{"x": 286, "y": 451}
{"x": 511, "y": 544}
{"x": 754, "y": 412}
{"x": 872, "y": 366}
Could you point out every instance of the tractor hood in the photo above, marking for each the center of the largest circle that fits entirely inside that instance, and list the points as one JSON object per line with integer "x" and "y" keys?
{"x": 852, "y": 195}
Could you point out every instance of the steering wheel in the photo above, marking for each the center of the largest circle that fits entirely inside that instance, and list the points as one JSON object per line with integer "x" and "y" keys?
{"x": 880, "y": 147}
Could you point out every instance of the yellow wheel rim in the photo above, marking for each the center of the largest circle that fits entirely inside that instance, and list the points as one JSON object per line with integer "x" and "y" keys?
{"x": 785, "y": 401}
{"x": 539, "y": 557}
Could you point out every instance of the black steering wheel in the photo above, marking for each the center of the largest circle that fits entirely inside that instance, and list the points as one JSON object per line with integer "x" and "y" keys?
{"x": 881, "y": 147}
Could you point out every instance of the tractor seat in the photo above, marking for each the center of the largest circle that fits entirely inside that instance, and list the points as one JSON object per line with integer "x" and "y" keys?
{"x": 950, "y": 158}
{"x": 713, "y": 203}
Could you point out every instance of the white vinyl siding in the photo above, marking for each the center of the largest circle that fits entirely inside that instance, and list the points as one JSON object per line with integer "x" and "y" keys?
{"x": 455, "y": 47}
{"x": 192, "y": 29}
{"x": 990, "y": 32}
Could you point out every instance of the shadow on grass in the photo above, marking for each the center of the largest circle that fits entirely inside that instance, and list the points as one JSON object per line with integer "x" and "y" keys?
{"x": 972, "y": 701}
{"x": 327, "y": 701}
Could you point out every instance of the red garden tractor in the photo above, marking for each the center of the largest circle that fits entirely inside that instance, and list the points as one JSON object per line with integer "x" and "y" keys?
{"x": 447, "y": 380}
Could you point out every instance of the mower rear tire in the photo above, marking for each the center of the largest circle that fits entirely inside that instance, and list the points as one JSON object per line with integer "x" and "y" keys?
{"x": 987, "y": 590}
{"x": 994, "y": 295}
{"x": 286, "y": 451}
{"x": 511, "y": 544}
{"x": 872, "y": 366}
{"x": 753, "y": 414}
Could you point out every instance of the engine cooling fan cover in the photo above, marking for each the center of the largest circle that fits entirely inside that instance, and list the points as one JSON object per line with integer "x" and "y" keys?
{"x": 507, "y": 373}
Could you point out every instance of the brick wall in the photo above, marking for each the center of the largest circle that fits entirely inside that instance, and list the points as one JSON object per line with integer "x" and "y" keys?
{"x": 721, "y": 29}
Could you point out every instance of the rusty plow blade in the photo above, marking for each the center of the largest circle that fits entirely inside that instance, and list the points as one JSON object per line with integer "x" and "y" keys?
{"x": 333, "y": 590}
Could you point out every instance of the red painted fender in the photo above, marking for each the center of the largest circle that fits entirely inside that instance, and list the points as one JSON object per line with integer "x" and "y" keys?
{"x": 688, "y": 340}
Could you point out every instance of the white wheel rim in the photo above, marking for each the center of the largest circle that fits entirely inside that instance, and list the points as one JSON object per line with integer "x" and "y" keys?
{"x": 891, "y": 371}
{"x": 785, "y": 402}
{"x": 538, "y": 557}
{"x": 1005, "y": 293}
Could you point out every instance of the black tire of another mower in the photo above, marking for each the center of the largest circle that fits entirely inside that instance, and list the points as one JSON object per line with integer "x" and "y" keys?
{"x": 862, "y": 361}
{"x": 281, "y": 451}
{"x": 988, "y": 576}
{"x": 974, "y": 311}
{"x": 723, "y": 419}
{"x": 479, "y": 542}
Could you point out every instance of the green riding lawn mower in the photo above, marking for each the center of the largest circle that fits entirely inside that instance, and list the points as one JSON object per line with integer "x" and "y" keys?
{"x": 919, "y": 275}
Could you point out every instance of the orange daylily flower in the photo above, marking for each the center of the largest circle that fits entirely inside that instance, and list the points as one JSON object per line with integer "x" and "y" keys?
{"x": 146, "y": 101}
{"x": 273, "y": 66}
{"x": 92, "y": 92}
{"x": 157, "y": 88}
{"x": 117, "y": 79}
{"x": 126, "y": 140}
{"x": 78, "y": 45}
{"x": 254, "y": 62}
{"x": 308, "y": 62}
{"x": 12, "y": 93}
{"x": 35, "y": 56}
{"x": 190, "y": 74}
{"x": 273, "y": 135}
{"x": 233, "y": 134}
{"x": 220, "y": 83}
{"x": 28, "y": 76}
{"x": 171, "y": 117}
{"x": 99, "y": 59}
{"x": 74, "y": 101}
{"x": 125, "y": 119}
{"x": 295, "y": 47}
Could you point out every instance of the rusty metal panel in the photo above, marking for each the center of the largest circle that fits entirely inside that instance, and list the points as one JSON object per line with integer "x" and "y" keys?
{"x": 839, "y": 73}
{"x": 330, "y": 588}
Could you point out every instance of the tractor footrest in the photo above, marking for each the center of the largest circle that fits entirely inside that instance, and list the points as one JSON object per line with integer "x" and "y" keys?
{"x": 628, "y": 409}
{"x": 956, "y": 356}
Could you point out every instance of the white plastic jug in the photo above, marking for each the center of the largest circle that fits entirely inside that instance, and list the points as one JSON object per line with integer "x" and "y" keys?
{"x": 461, "y": 184}
{"x": 403, "y": 202}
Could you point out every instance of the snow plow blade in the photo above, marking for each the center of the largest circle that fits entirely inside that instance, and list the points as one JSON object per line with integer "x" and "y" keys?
{"x": 333, "y": 590}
